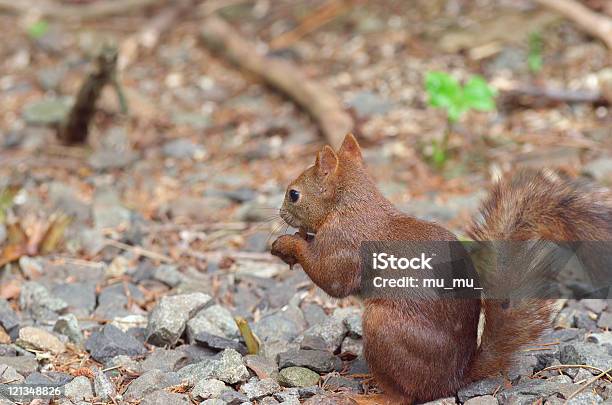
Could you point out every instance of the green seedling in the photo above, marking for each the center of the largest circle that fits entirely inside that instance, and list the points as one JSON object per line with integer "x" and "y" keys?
{"x": 444, "y": 91}
{"x": 534, "y": 59}
{"x": 38, "y": 29}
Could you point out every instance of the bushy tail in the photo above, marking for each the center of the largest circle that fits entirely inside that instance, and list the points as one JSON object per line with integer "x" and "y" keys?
{"x": 530, "y": 206}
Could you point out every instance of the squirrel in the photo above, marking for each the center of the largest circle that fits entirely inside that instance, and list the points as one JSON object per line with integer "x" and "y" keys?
{"x": 420, "y": 350}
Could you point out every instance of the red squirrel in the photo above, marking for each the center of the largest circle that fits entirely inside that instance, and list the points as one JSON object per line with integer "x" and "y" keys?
{"x": 420, "y": 350}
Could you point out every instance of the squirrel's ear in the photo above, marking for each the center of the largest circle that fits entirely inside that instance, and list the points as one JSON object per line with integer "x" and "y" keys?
{"x": 327, "y": 161}
{"x": 350, "y": 148}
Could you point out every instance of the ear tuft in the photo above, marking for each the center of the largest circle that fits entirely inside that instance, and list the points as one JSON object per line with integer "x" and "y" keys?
{"x": 327, "y": 161}
{"x": 350, "y": 148}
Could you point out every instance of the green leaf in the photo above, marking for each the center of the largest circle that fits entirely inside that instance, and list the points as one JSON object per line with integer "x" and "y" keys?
{"x": 534, "y": 59}
{"x": 38, "y": 29}
{"x": 443, "y": 89}
{"x": 477, "y": 94}
{"x": 439, "y": 155}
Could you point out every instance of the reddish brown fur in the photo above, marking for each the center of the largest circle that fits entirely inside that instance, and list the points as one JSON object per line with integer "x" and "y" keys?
{"x": 419, "y": 350}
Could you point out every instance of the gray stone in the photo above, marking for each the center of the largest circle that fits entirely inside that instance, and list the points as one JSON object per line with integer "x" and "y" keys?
{"x": 263, "y": 367}
{"x": 31, "y": 338}
{"x": 313, "y": 314}
{"x": 168, "y": 275}
{"x": 164, "y": 360}
{"x": 484, "y": 400}
{"x": 48, "y": 377}
{"x": 600, "y": 169}
{"x": 585, "y": 397}
{"x": 8, "y": 318}
{"x": 228, "y": 368}
{"x": 367, "y": 104}
{"x": 353, "y": 324}
{"x": 316, "y": 360}
{"x": 277, "y": 327}
{"x": 79, "y": 389}
{"x": 25, "y": 365}
{"x": 169, "y": 318}
{"x": 68, "y": 326}
{"x": 524, "y": 365}
{"x": 193, "y": 119}
{"x": 64, "y": 198}
{"x": 46, "y": 112}
{"x": 215, "y": 401}
{"x": 8, "y": 375}
{"x": 219, "y": 343}
{"x": 533, "y": 389}
{"x": 232, "y": 397}
{"x": 603, "y": 338}
{"x": 582, "y": 376}
{"x": 125, "y": 362}
{"x": 211, "y": 388}
{"x": 268, "y": 401}
{"x": 298, "y": 377}
{"x": 594, "y": 305}
{"x": 288, "y": 394}
{"x": 335, "y": 382}
{"x": 161, "y": 397}
{"x": 215, "y": 320}
{"x": 332, "y": 331}
{"x": 110, "y": 341}
{"x": 32, "y": 267}
{"x": 587, "y": 354}
{"x": 50, "y": 78}
{"x": 80, "y": 297}
{"x": 352, "y": 345}
{"x": 103, "y": 386}
{"x": 222, "y": 319}
{"x": 183, "y": 149}
{"x": 3, "y": 233}
{"x": 108, "y": 211}
{"x": 258, "y": 389}
{"x": 255, "y": 268}
{"x": 150, "y": 381}
{"x": 480, "y": 388}
{"x": 605, "y": 320}
{"x": 37, "y": 300}
{"x": 442, "y": 401}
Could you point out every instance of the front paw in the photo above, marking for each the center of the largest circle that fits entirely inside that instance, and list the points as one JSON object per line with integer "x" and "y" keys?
{"x": 285, "y": 248}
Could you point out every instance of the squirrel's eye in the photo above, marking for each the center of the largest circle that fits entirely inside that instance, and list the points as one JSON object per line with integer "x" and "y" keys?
{"x": 294, "y": 195}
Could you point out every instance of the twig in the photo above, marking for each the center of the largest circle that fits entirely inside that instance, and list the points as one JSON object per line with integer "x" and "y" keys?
{"x": 593, "y": 23}
{"x": 218, "y": 254}
{"x": 140, "y": 251}
{"x": 597, "y": 377}
{"x": 321, "y": 16}
{"x": 529, "y": 95}
{"x": 317, "y": 100}
{"x": 563, "y": 366}
{"x": 54, "y": 9}
{"x": 149, "y": 36}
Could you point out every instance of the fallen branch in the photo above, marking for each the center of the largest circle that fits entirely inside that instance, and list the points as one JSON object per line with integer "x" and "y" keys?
{"x": 317, "y": 100}
{"x": 149, "y": 36}
{"x": 75, "y": 126}
{"x": 590, "y": 382}
{"x": 539, "y": 96}
{"x": 138, "y": 250}
{"x": 321, "y": 16}
{"x": 595, "y": 24}
{"x": 98, "y": 9}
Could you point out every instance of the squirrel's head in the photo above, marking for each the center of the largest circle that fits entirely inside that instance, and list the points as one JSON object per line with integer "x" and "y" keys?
{"x": 314, "y": 194}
